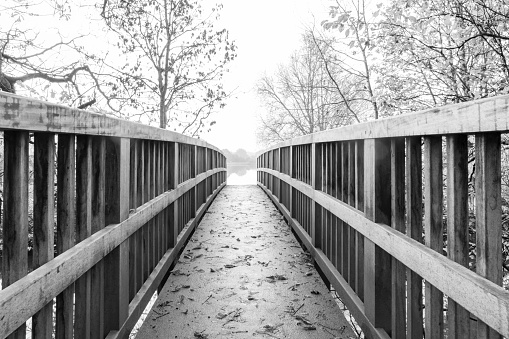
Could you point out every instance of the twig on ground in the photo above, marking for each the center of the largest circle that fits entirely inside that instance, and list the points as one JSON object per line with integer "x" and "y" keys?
{"x": 297, "y": 310}
{"x": 210, "y": 296}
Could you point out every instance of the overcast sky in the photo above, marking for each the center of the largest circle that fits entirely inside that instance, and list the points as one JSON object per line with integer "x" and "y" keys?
{"x": 266, "y": 33}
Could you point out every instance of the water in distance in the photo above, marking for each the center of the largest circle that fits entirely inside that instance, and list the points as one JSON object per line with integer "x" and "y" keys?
{"x": 241, "y": 174}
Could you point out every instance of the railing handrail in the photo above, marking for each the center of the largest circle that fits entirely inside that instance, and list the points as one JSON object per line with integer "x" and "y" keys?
{"x": 355, "y": 198}
{"x": 482, "y": 115}
{"x": 128, "y": 198}
{"x": 23, "y": 113}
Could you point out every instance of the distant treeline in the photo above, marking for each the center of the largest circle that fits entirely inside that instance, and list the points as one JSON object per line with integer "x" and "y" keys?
{"x": 240, "y": 156}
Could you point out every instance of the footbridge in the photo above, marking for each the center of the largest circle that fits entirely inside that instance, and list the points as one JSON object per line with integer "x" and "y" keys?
{"x": 401, "y": 217}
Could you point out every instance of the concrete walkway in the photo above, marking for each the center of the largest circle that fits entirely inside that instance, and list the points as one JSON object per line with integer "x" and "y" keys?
{"x": 243, "y": 275}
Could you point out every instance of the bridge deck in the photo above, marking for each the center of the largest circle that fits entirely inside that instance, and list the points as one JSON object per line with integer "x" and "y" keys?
{"x": 243, "y": 274}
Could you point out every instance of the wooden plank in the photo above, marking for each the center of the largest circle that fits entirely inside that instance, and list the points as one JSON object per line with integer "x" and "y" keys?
{"x": 377, "y": 262}
{"x": 98, "y": 223}
{"x": 488, "y": 215}
{"x": 15, "y": 221}
{"x": 315, "y": 216}
{"x": 433, "y": 230}
{"x": 345, "y": 228}
{"x": 140, "y": 237}
{"x": 176, "y": 175}
{"x": 486, "y": 300}
{"x": 43, "y": 218}
{"x": 398, "y": 322}
{"x": 457, "y": 225}
{"x": 133, "y": 205}
{"x": 484, "y": 115}
{"x": 414, "y": 230}
{"x": 66, "y": 219}
{"x": 116, "y": 263}
{"x": 352, "y": 234}
{"x": 83, "y": 231}
{"x": 359, "y": 204}
{"x": 23, "y": 113}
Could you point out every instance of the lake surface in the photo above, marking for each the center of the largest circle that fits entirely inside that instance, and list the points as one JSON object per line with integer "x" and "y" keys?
{"x": 241, "y": 174}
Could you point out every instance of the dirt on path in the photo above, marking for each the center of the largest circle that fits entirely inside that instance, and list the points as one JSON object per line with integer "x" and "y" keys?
{"x": 244, "y": 275}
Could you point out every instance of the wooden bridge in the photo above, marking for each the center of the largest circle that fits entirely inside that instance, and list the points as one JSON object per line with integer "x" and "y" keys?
{"x": 366, "y": 200}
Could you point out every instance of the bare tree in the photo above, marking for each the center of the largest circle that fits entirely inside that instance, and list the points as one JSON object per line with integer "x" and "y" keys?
{"x": 33, "y": 59}
{"x": 302, "y": 98}
{"x": 180, "y": 59}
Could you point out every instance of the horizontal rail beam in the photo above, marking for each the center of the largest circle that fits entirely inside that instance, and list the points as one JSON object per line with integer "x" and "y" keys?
{"x": 22, "y": 299}
{"x": 22, "y": 113}
{"x": 480, "y": 296}
{"x": 484, "y": 115}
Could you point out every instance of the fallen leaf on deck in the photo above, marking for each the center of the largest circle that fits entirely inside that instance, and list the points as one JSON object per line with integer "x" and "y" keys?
{"x": 274, "y": 278}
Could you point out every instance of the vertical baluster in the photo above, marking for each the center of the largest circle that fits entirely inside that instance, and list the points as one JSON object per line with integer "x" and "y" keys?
{"x": 315, "y": 209}
{"x": 158, "y": 191}
{"x": 488, "y": 215}
{"x": 83, "y": 230}
{"x": 98, "y": 223}
{"x": 153, "y": 194}
{"x": 176, "y": 175}
{"x": 457, "y": 225}
{"x": 377, "y": 263}
{"x": 345, "y": 227}
{"x": 359, "y": 204}
{"x": 351, "y": 201}
{"x": 398, "y": 223}
{"x": 116, "y": 263}
{"x": 15, "y": 223}
{"x": 44, "y": 221}
{"x": 414, "y": 230}
{"x": 65, "y": 227}
{"x": 140, "y": 183}
{"x": 133, "y": 239}
{"x": 433, "y": 230}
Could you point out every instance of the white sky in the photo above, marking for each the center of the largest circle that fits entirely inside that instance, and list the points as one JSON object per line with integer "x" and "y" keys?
{"x": 266, "y": 33}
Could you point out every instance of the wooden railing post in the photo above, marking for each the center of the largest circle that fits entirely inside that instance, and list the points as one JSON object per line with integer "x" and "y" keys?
{"x": 98, "y": 223}
{"x": 488, "y": 215}
{"x": 116, "y": 285}
{"x": 398, "y": 222}
{"x": 66, "y": 219}
{"x": 377, "y": 203}
{"x": 290, "y": 173}
{"x": 414, "y": 230}
{"x": 44, "y": 215}
{"x": 433, "y": 230}
{"x": 83, "y": 231}
{"x": 194, "y": 173}
{"x": 175, "y": 231}
{"x": 316, "y": 182}
{"x": 15, "y": 221}
{"x": 457, "y": 225}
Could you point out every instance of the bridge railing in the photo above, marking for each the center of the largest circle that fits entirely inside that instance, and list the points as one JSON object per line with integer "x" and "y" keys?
{"x": 385, "y": 206}
{"x": 111, "y": 204}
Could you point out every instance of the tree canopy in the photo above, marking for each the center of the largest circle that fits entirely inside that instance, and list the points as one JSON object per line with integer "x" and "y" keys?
{"x": 151, "y": 60}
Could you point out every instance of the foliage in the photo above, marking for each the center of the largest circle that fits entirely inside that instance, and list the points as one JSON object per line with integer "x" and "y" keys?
{"x": 38, "y": 56}
{"x": 438, "y": 52}
{"x": 175, "y": 60}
